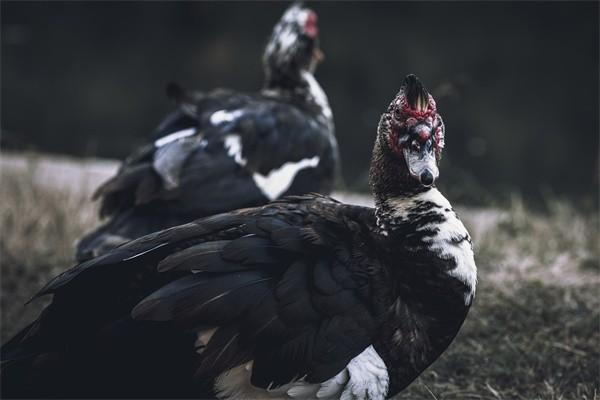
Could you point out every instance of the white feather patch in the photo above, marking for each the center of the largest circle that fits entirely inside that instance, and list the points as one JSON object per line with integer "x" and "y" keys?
{"x": 365, "y": 377}
{"x": 280, "y": 179}
{"x": 286, "y": 39}
{"x": 233, "y": 145}
{"x": 317, "y": 93}
{"x": 174, "y": 136}
{"x": 442, "y": 242}
{"x": 224, "y": 116}
{"x": 369, "y": 377}
{"x": 333, "y": 386}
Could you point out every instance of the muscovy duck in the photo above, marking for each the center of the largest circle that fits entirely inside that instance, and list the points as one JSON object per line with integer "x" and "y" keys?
{"x": 302, "y": 298}
{"x": 225, "y": 150}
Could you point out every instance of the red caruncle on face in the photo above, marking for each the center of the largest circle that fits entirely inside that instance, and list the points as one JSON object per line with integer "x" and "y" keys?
{"x": 408, "y": 125}
{"x": 310, "y": 25}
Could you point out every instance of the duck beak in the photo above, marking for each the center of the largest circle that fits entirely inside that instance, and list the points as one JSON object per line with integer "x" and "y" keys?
{"x": 422, "y": 165}
{"x": 318, "y": 55}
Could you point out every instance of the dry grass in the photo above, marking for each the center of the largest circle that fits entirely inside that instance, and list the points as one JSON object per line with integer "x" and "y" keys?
{"x": 38, "y": 228}
{"x": 533, "y": 332}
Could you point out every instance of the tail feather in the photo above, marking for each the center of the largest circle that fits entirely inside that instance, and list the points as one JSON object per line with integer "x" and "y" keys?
{"x": 138, "y": 184}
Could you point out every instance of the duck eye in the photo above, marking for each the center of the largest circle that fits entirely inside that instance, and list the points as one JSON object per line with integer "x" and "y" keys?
{"x": 415, "y": 145}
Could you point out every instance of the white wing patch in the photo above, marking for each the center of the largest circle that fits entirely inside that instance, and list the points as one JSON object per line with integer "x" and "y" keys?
{"x": 365, "y": 377}
{"x": 223, "y": 116}
{"x": 280, "y": 179}
{"x": 233, "y": 145}
{"x": 174, "y": 136}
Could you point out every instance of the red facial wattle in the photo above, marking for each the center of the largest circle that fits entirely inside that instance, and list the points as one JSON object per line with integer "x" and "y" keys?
{"x": 423, "y": 135}
{"x": 310, "y": 25}
{"x": 408, "y": 117}
{"x": 422, "y": 130}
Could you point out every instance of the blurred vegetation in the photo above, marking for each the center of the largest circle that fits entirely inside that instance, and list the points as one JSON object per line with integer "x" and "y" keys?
{"x": 38, "y": 230}
{"x": 515, "y": 82}
{"x": 531, "y": 334}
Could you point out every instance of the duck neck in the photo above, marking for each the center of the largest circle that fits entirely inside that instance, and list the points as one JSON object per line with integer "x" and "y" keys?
{"x": 299, "y": 86}
{"x": 420, "y": 226}
{"x": 399, "y": 198}
{"x": 284, "y": 78}
{"x": 389, "y": 177}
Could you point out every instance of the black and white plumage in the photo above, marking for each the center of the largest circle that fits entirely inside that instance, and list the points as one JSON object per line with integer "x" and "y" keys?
{"x": 302, "y": 298}
{"x": 224, "y": 150}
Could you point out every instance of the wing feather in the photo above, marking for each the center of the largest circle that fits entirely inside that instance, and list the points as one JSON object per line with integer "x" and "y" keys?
{"x": 212, "y": 300}
{"x": 282, "y": 284}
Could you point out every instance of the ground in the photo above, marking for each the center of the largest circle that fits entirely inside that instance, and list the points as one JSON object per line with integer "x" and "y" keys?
{"x": 533, "y": 331}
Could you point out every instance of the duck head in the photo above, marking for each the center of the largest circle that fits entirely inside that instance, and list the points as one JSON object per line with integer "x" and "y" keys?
{"x": 293, "y": 47}
{"x": 410, "y": 140}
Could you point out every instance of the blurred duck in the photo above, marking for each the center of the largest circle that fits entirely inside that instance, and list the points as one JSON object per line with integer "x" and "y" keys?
{"x": 302, "y": 298}
{"x": 225, "y": 150}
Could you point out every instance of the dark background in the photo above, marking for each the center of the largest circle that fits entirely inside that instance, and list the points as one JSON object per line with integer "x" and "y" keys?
{"x": 516, "y": 83}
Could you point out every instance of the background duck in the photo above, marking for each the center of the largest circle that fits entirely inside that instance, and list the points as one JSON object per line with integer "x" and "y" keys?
{"x": 225, "y": 149}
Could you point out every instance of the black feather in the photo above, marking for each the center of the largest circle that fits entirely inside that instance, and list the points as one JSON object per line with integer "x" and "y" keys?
{"x": 224, "y": 350}
{"x": 251, "y": 250}
{"x": 194, "y": 257}
{"x": 213, "y": 300}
